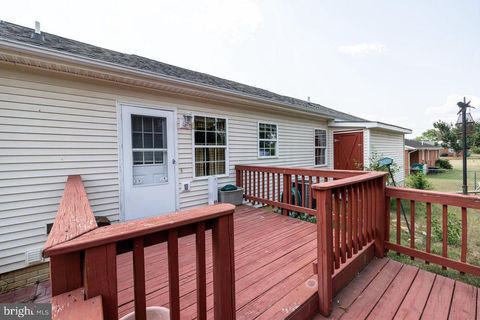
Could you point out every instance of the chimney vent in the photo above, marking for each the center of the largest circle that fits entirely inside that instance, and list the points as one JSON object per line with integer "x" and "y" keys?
{"x": 37, "y": 34}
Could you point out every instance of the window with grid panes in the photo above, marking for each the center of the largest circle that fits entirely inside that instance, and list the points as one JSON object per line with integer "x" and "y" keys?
{"x": 320, "y": 147}
{"x": 210, "y": 142}
{"x": 267, "y": 140}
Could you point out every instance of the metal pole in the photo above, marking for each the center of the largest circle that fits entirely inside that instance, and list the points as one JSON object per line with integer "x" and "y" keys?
{"x": 464, "y": 133}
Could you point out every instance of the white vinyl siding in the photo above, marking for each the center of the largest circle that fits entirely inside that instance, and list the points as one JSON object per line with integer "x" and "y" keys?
{"x": 390, "y": 145}
{"x": 54, "y": 127}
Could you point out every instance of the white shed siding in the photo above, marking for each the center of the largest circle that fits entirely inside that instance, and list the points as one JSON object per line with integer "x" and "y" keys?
{"x": 53, "y": 127}
{"x": 389, "y": 145}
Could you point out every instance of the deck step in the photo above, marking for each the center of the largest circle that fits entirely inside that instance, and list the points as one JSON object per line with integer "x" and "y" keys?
{"x": 72, "y": 305}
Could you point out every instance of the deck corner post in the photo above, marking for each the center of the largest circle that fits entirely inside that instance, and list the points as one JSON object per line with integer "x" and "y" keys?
{"x": 324, "y": 250}
{"x": 223, "y": 268}
{"x": 100, "y": 277}
{"x": 380, "y": 225}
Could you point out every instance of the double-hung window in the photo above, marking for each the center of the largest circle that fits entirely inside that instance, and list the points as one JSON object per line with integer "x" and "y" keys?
{"x": 267, "y": 140}
{"x": 210, "y": 143}
{"x": 320, "y": 147}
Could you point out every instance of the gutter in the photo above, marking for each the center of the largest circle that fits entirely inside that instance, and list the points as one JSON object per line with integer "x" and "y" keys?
{"x": 368, "y": 125}
{"x": 90, "y": 62}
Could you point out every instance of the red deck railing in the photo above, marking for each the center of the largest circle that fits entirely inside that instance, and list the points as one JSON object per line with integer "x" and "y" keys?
{"x": 350, "y": 223}
{"x": 84, "y": 256}
{"x": 353, "y": 224}
{"x": 289, "y": 189}
{"x": 430, "y": 198}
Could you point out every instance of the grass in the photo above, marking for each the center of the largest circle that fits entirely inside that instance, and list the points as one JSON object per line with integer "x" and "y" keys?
{"x": 449, "y": 181}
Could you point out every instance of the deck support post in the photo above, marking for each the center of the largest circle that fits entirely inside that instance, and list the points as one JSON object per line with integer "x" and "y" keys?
{"x": 223, "y": 268}
{"x": 65, "y": 273}
{"x": 325, "y": 250}
{"x": 380, "y": 217}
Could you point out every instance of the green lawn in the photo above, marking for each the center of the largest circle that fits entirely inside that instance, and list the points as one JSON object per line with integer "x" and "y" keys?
{"x": 449, "y": 181}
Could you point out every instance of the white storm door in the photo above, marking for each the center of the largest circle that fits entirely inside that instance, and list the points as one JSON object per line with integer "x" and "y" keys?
{"x": 148, "y": 162}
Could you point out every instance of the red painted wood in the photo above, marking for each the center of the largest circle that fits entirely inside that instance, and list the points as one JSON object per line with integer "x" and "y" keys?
{"x": 337, "y": 174}
{"x": 365, "y": 302}
{"x": 412, "y": 225}
{"x": 139, "y": 279}
{"x": 392, "y": 298}
{"x": 173, "y": 275}
{"x": 350, "y": 224}
{"x": 438, "y": 304}
{"x": 201, "y": 272}
{"x": 310, "y": 191}
{"x": 223, "y": 268}
{"x": 336, "y": 227}
{"x": 429, "y": 229}
{"x": 399, "y": 221}
{"x": 100, "y": 277}
{"x": 324, "y": 250}
{"x": 387, "y": 218}
{"x": 75, "y": 203}
{"x": 464, "y": 302}
{"x": 416, "y": 298}
{"x": 450, "y": 199}
{"x": 137, "y": 228}
{"x": 65, "y": 273}
{"x": 381, "y": 220}
{"x": 463, "y": 257}
{"x": 366, "y": 176}
{"x": 354, "y": 203}
{"x": 71, "y": 305}
{"x": 343, "y": 224}
{"x": 433, "y": 258}
{"x": 444, "y": 232}
{"x": 348, "y": 151}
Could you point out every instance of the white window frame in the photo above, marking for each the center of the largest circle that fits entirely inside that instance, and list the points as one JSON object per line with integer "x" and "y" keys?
{"x": 258, "y": 140}
{"x": 315, "y": 148}
{"x": 227, "y": 162}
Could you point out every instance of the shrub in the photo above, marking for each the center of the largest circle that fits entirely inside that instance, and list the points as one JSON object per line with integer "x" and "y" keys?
{"x": 475, "y": 149}
{"x": 443, "y": 163}
{"x": 454, "y": 229}
{"x": 418, "y": 181}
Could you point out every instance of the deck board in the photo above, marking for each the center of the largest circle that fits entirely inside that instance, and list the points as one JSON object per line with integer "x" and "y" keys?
{"x": 273, "y": 255}
{"x": 380, "y": 292}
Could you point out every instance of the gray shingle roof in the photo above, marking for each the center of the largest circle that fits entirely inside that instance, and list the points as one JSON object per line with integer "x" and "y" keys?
{"x": 9, "y": 31}
{"x": 420, "y": 145}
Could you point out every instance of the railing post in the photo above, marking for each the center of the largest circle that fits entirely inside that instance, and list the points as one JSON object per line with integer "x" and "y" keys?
{"x": 325, "y": 250}
{"x": 100, "y": 277}
{"x": 380, "y": 216}
{"x": 223, "y": 268}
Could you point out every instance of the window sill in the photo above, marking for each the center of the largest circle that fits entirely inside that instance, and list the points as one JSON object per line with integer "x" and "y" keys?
{"x": 206, "y": 177}
{"x": 267, "y": 157}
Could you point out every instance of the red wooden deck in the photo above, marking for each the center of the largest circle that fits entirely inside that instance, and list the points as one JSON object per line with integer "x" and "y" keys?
{"x": 273, "y": 262}
{"x": 387, "y": 289}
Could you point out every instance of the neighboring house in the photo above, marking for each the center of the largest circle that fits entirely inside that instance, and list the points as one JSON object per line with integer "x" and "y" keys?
{"x": 144, "y": 135}
{"x": 420, "y": 152}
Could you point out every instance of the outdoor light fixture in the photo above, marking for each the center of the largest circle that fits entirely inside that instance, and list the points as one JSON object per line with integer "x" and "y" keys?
{"x": 187, "y": 121}
{"x": 465, "y": 119}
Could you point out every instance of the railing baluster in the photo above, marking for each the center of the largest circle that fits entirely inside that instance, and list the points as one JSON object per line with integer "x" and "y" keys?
{"x": 360, "y": 209}
{"x": 464, "y": 235}
{"x": 354, "y": 204}
{"x": 201, "y": 272}
{"x": 139, "y": 279}
{"x": 310, "y": 192}
{"x": 399, "y": 222}
{"x": 250, "y": 191}
{"x": 349, "y": 223}
{"x": 429, "y": 229}
{"x": 268, "y": 185}
{"x": 297, "y": 202}
{"x": 337, "y": 228}
{"x": 445, "y": 232}
{"x": 304, "y": 193}
{"x": 173, "y": 276}
{"x": 412, "y": 226}
{"x": 365, "y": 216}
{"x": 263, "y": 185}
{"x": 279, "y": 188}
{"x": 343, "y": 228}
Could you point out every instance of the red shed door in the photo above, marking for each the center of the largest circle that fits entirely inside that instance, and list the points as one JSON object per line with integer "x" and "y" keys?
{"x": 348, "y": 150}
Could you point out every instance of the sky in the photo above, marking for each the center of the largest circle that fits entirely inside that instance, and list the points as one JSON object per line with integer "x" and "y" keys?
{"x": 401, "y": 62}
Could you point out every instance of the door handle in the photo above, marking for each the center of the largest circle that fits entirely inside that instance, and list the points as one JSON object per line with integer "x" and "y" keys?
{"x": 174, "y": 161}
